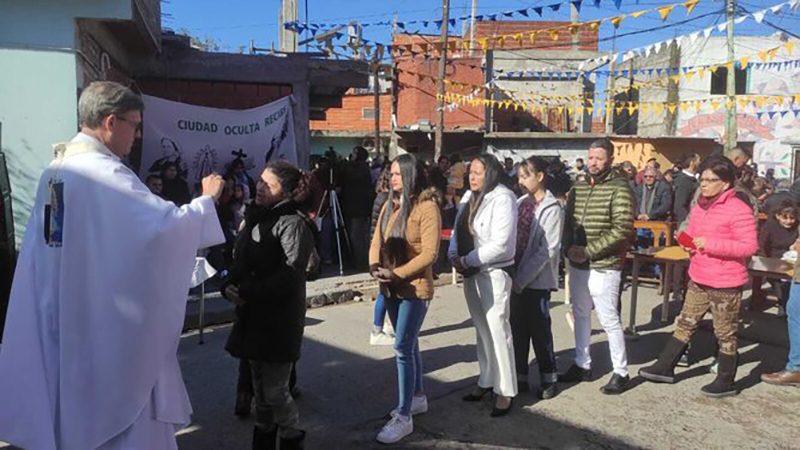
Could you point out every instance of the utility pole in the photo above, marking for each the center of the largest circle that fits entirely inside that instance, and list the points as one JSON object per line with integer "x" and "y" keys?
{"x": 472, "y": 28}
{"x": 392, "y": 150}
{"x": 440, "y": 88}
{"x": 574, "y": 17}
{"x": 731, "y": 133}
{"x": 610, "y": 89}
{"x": 376, "y": 81}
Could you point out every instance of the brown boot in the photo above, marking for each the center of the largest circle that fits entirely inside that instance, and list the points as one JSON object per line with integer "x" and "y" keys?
{"x": 782, "y": 378}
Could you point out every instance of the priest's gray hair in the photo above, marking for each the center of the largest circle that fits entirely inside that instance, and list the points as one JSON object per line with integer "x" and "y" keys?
{"x": 104, "y": 98}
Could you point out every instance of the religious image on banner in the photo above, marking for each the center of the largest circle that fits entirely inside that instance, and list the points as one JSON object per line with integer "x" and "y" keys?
{"x": 197, "y": 141}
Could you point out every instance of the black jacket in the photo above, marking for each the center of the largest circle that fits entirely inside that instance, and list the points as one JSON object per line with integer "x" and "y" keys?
{"x": 774, "y": 240}
{"x": 662, "y": 204}
{"x": 355, "y": 180}
{"x": 684, "y": 187}
{"x": 270, "y": 259}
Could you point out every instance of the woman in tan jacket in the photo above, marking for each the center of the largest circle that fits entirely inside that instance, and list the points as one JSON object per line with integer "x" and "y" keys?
{"x": 404, "y": 247}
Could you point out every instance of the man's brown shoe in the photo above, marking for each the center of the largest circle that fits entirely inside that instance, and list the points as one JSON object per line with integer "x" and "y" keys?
{"x": 783, "y": 378}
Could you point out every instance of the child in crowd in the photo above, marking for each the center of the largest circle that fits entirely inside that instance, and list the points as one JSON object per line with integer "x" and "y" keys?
{"x": 779, "y": 235}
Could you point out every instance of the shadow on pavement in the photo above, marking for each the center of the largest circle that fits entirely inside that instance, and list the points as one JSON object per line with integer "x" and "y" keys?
{"x": 346, "y": 397}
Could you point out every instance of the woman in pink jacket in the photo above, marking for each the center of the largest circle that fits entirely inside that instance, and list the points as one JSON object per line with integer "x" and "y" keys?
{"x": 724, "y": 236}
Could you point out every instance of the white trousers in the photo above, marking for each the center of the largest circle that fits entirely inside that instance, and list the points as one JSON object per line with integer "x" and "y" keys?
{"x": 488, "y": 296}
{"x": 601, "y": 289}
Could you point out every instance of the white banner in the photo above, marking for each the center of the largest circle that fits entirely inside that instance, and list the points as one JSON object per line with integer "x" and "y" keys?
{"x": 204, "y": 140}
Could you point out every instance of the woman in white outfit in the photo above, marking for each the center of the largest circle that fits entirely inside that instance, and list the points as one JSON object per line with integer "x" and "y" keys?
{"x": 482, "y": 249}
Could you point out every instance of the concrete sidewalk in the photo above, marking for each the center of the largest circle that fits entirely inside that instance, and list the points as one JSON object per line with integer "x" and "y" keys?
{"x": 349, "y": 387}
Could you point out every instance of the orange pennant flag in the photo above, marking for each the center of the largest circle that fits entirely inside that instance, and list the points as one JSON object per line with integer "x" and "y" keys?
{"x": 484, "y": 43}
{"x": 684, "y": 106}
{"x": 658, "y": 107}
{"x": 554, "y": 35}
{"x": 665, "y": 10}
{"x": 690, "y": 6}
{"x": 616, "y": 21}
{"x": 532, "y": 36}
{"x": 773, "y": 53}
{"x": 743, "y": 62}
{"x": 763, "y": 55}
{"x": 594, "y": 25}
{"x": 789, "y": 46}
{"x": 638, "y": 14}
{"x": 672, "y": 108}
{"x": 501, "y": 41}
{"x": 715, "y": 105}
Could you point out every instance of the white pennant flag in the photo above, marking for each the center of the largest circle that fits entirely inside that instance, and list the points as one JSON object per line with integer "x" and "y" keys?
{"x": 777, "y": 8}
{"x": 658, "y": 47}
{"x": 693, "y": 37}
{"x": 707, "y": 32}
{"x": 679, "y": 41}
{"x": 722, "y": 27}
{"x": 648, "y": 50}
{"x": 759, "y": 16}
{"x": 739, "y": 20}
{"x": 794, "y": 4}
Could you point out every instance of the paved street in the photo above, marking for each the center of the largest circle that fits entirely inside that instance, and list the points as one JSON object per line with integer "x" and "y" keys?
{"x": 349, "y": 387}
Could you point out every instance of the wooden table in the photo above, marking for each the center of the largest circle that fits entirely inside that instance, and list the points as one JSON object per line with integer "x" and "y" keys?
{"x": 761, "y": 267}
{"x": 657, "y": 228}
{"x": 669, "y": 257}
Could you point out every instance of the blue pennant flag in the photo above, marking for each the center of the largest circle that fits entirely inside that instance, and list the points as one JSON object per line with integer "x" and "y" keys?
{"x": 759, "y": 114}
{"x": 659, "y": 72}
{"x": 452, "y": 22}
{"x": 524, "y": 12}
{"x": 480, "y": 17}
{"x": 771, "y": 114}
{"x": 555, "y": 7}
{"x": 783, "y": 113}
{"x": 401, "y": 25}
{"x": 686, "y": 69}
{"x": 425, "y": 23}
{"x": 492, "y": 17}
{"x": 650, "y": 72}
{"x": 508, "y": 13}
{"x": 624, "y": 74}
{"x": 618, "y": 3}
{"x": 596, "y": 3}
{"x": 438, "y": 23}
{"x": 538, "y": 10}
{"x": 577, "y": 4}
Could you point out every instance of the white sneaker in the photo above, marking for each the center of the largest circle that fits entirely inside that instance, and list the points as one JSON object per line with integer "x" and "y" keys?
{"x": 419, "y": 405}
{"x": 396, "y": 429}
{"x": 380, "y": 338}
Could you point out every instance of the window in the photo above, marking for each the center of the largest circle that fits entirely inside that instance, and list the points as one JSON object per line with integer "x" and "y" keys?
{"x": 719, "y": 81}
{"x": 367, "y": 113}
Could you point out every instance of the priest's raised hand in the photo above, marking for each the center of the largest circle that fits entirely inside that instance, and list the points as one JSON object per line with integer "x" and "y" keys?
{"x": 89, "y": 356}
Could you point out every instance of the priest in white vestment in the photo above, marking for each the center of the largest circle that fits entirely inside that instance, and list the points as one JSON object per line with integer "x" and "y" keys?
{"x": 89, "y": 354}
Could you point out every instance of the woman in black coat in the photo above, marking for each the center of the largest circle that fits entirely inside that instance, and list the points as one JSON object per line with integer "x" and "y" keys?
{"x": 268, "y": 285}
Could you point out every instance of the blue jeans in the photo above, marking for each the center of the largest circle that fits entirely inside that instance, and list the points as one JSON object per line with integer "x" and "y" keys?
{"x": 793, "y": 317}
{"x": 407, "y": 315}
{"x": 379, "y": 314}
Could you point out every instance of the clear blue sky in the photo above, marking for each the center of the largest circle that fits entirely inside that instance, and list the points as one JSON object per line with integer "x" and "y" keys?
{"x": 235, "y": 22}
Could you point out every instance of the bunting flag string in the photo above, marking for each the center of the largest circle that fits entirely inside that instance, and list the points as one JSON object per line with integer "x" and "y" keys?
{"x": 664, "y": 11}
{"x": 315, "y": 27}
{"x": 667, "y": 75}
{"x": 748, "y": 104}
{"x": 528, "y": 39}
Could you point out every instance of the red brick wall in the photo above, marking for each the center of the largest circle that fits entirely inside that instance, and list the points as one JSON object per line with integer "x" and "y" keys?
{"x": 417, "y": 97}
{"x": 350, "y": 117}
{"x": 215, "y": 94}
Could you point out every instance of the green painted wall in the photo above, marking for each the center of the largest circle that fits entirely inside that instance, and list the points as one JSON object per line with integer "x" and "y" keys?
{"x": 38, "y": 107}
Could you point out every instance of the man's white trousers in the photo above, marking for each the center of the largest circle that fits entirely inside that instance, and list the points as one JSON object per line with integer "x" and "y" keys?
{"x": 598, "y": 288}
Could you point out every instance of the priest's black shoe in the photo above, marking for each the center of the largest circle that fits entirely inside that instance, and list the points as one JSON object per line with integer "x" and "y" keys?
{"x": 575, "y": 374}
{"x": 265, "y": 440}
{"x": 616, "y": 385}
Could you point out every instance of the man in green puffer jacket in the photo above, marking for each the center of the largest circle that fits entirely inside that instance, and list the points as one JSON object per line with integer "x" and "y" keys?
{"x": 598, "y": 230}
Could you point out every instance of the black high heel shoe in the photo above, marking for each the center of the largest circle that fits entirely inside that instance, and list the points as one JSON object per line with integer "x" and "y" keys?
{"x": 476, "y": 395}
{"x": 497, "y": 412}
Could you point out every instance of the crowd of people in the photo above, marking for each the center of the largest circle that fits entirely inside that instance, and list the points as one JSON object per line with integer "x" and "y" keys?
{"x": 513, "y": 226}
